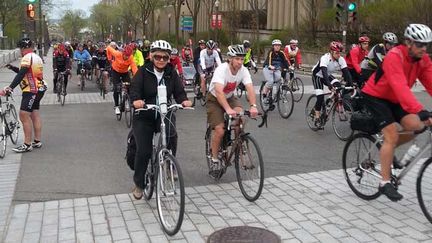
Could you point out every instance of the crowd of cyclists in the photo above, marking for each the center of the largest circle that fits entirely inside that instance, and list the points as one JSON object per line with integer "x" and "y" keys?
{"x": 385, "y": 74}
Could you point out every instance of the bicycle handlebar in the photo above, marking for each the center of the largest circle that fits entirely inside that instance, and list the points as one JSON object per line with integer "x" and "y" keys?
{"x": 149, "y": 107}
{"x": 248, "y": 114}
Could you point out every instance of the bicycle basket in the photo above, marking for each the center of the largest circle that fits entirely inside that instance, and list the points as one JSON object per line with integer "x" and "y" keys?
{"x": 363, "y": 121}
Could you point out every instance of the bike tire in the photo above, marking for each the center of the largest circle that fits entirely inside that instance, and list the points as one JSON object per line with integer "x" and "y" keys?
{"x": 423, "y": 180}
{"x": 342, "y": 112}
{"x": 63, "y": 94}
{"x": 13, "y": 124}
{"x": 265, "y": 108}
{"x": 82, "y": 82}
{"x": 247, "y": 143}
{"x": 285, "y": 102}
{"x": 3, "y": 137}
{"x": 149, "y": 179}
{"x": 360, "y": 166}
{"x": 128, "y": 111}
{"x": 310, "y": 112}
{"x": 208, "y": 153}
{"x": 171, "y": 228}
{"x": 203, "y": 100}
{"x": 239, "y": 92}
{"x": 59, "y": 88}
{"x": 297, "y": 87}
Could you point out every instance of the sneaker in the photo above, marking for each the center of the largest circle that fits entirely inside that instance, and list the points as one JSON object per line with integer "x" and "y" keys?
{"x": 36, "y": 144}
{"x": 117, "y": 110}
{"x": 23, "y": 148}
{"x": 215, "y": 168}
{"x": 390, "y": 191}
{"x": 397, "y": 164}
{"x": 137, "y": 193}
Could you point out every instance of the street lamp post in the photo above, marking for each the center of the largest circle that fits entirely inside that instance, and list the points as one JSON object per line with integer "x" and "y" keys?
{"x": 169, "y": 24}
{"x": 217, "y": 16}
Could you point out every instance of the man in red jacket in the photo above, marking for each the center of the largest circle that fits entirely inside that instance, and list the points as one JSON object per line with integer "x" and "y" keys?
{"x": 356, "y": 56}
{"x": 389, "y": 98}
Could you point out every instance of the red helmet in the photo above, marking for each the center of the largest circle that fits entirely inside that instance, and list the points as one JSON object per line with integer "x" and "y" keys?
{"x": 61, "y": 47}
{"x": 363, "y": 39}
{"x": 127, "y": 51}
{"x": 336, "y": 46}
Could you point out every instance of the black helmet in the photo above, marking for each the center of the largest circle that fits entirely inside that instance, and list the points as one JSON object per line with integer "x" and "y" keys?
{"x": 211, "y": 44}
{"x": 25, "y": 43}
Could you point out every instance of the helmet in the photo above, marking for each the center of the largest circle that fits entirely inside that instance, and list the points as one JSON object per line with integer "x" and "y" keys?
{"x": 127, "y": 51}
{"x": 246, "y": 44}
{"x": 336, "y": 46}
{"x": 146, "y": 43}
{"x": 294, "y": 41}
{"x": 276, "y": 42}
{"x": 61, "y": 47}
{"x": 80, "y": 45}
{"x": 113, "y": 44}
{"x": 201, "y": 42}
{"x": 390, "y": 38}
{"x": 419, "y": 33}
{"x": 25, "y": 43}
{"x": 160, "y": 45}
{"x": 140, "y": 43}
{"x": 67, "y": 43}
{"x": 211, "y": 44}
{"x": 236, "y": 51}
{"x": 133, "y": 45}
{"x": 363, "y": 39}
{"x": 174, "y": 51}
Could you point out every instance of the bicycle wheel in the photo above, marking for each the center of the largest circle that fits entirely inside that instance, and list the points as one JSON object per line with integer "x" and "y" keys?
{"x": 249, "y": 167}
{"x": 361, "y": 165}
{"x": 59, "y": 88}
{"x": 208, "y": 147}
{"x": 13, "y": 124}
{"x": 285, "y": 102}
{"x": 239, "y": 92}
{"x": 341, "y": 117}
{"x": 63, "y": 93}
{"x": 264, "y": 107}
{"x": 424, "y": 189}
{"x": 149, "y": 179}
{"x": 297, "y": 88}
{"x": 170, "y": 194}
{"x": 203, "y": 100}
{"x": 121, "y": 101}
{"x": 82, "y": 81}
{"x": 310, "y": 112}
{"x": 128, "y": 111}
{"x": 3, "y": 137}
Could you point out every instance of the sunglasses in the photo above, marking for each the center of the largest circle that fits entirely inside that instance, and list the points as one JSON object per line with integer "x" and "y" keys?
{"x": 161, "y": 58}
{"x": 420, "y": 45}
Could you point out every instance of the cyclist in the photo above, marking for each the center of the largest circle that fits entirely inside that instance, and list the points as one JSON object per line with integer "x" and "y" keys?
{"x": 137, "y": 55}
{"x": 375, "y": 56}
{"x": 355, "y": 56}
{"x": 249, "y": 61}
{"x": 102, "y": 63}
{"x": 146, "y": 50}
{"x": 221, "y": 98}
{"x": 30, "y": 78}
{"x": 274, "y": 64}
{"x": 120, "y": 66}
{"x": 328, "y": 64}
{"x": 187, "y": 54}
{"x": 196, "y": 54}
{"x": 84, "y": 57}
{"x": 144, "y": 91}
{"x": 175, "y": 61}
{"x": 292, "y": 52}
{"x": 61, "y": 63}
{"x": 389, "y": 98}
{"x": 209, "y": 58}
{"x": 69, "y": 48}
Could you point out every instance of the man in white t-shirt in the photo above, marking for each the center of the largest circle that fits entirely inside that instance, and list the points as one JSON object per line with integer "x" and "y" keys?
{"x": 221, "y": 98}
{"x": 209, "y": 59}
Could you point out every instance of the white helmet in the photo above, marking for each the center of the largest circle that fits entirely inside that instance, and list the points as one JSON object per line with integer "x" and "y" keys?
{"x": 67, "y": 43}
{"x": 418, "y": 33}
{"x": 294, "y": 41}
{"x": 236, "y": 51}
{"x": 160, "y": 45}
{"x": 390, "y": 38}
{"x": 276, "y": 42}
{"x": 174, "y": 51}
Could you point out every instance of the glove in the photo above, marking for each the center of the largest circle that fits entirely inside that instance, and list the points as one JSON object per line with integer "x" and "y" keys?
{"x": 256, "y": 69}
{"x": 423, "y": 115}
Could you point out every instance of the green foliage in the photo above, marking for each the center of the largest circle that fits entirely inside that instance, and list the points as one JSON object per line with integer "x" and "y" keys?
{"x": 72, "y": 23}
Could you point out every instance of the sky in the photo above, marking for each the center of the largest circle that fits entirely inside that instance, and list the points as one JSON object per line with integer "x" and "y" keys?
{"x": 84, "y": 5}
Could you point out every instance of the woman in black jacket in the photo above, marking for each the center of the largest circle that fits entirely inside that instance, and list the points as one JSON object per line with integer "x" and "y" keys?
{"x": 144, "y": 91}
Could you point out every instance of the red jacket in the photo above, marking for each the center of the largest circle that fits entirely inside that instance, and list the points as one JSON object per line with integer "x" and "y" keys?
{"x": 184, "y": 57}
{"x": 355, "y": 57}
{"x": 175, "y": 61}
{"x": 293, "y": 54}
{"x": 400, "y": 74}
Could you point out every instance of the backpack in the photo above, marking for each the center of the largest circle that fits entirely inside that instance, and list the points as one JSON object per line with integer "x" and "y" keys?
{"x": 131, "y": 150}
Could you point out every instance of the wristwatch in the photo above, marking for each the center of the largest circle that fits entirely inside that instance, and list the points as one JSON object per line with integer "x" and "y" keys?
{"x": 254, "y": 105}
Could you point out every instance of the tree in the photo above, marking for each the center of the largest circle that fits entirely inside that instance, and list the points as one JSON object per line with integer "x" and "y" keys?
{"x": 72, "y": 22}
{"x": 194, "y": 7}
{"x": 146, "y": 8}
{"x": 176, "y": 7}
{"x": 209, "y": 5}
{"x": 102, "y": 17}
{"x": 129, "y": 12}
{"x": 257, "y": 7}
{"x": 312, "y": 17}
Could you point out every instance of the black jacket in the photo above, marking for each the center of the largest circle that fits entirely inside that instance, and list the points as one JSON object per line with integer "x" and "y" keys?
{"x": 144, "y": 84}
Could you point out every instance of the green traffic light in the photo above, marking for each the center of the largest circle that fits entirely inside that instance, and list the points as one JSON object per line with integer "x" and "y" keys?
{"x": 352, "y": 7}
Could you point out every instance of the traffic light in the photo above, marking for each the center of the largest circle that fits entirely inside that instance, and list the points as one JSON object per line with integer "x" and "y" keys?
{"x": 352, "y": 6}
{"x": 341, "y": 12}
{"x": 31, "y": 1}
{"x": 31, "y": 11}
{"x": 352, "y": 12}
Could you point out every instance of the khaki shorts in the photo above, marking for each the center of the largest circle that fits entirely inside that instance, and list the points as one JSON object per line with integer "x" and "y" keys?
{"x": 215, "y": 112}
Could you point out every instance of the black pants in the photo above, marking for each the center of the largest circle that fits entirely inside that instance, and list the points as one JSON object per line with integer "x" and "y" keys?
{"x": 118, "y": 79}
{"x": 56, "y": 78}
{"x": 144, "y": 126}
{"x": 356, "y": 77}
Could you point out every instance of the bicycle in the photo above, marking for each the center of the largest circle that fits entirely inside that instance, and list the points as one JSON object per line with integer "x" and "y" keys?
{"x": 362, "y": 169}
{"x": 197, "y": 87}
{"x": 280, "y": 94}
{"x": 101, "y": 82}
{"x": 249, "y": 168}
{"x": 295, "y": 84}
{"x": 339, "y": 108}
{"x": 125, "y": 105}
{"x": 9, "y": 124}
{"x": 164, "y": 173}
{"x": 60, "y": 87}
{"x": 83, "y": 74}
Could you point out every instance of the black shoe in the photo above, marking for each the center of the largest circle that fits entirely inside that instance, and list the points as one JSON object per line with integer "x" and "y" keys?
{"x": 390, "y": 191}
{"x": 396, "y": 164}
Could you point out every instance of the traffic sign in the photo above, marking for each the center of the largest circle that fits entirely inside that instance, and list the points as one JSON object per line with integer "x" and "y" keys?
{"x": 186, "y": 23}
{"x": 216, "y": 21}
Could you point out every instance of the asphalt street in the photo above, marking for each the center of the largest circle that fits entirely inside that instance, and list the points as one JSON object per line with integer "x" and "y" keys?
{"x": 84, "y": 148}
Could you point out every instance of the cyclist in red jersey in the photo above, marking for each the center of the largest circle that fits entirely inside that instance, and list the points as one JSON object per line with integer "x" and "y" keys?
{"x": 387, "y": 95}
{"x": 175, "y": 61}
{"x": 356, "y": 56}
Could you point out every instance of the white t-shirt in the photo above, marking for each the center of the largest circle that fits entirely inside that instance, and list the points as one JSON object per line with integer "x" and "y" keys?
{"x": 159, "y": 75}
{"x": 223, "y": 75}
{"x": 331, "y": 65}
{"x": 208, "y": 61}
